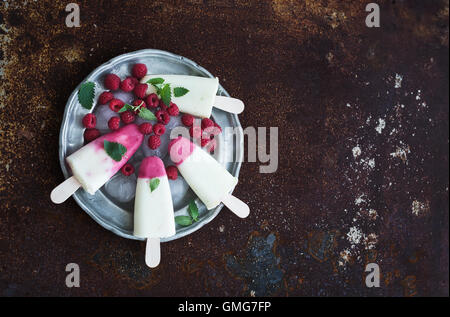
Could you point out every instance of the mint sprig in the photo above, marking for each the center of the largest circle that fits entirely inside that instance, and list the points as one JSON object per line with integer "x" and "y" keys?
{"x": 154, "y": 183}
{"x": 115, "y": 150}
{"x": 193, "y": 210}
{"x": 180, "y": 91}
{"x": 183, "y": 220}
{"x": 142, "y": 112}
{"x": 166, "y": 94}
{"x": 188, "y": 220}
{"x": 86, "y": 95}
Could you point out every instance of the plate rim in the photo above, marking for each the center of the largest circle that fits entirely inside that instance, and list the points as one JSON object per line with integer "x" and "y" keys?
{"x": 110, "y": 63}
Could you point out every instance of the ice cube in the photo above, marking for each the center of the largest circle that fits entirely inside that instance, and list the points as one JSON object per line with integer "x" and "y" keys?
{"x": 178, "y": 188}
{"x": 103, "y": 114}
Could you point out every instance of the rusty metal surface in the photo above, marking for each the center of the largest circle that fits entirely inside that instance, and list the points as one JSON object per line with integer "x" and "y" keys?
{"x": 363, "y": 142}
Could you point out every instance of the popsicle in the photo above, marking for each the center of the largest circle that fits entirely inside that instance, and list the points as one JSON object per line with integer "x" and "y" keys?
{"x": 200, "y": 96}
{"x": 153, "y": 209}
{"x": 92, "y": 166}
{"x": 207, "y": 177}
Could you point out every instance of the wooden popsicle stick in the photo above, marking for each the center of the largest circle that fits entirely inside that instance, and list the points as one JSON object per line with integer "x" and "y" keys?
{"x": 152, "y": 252}
{"x": 64, "y": 190}
{"x": 228, "y": 104}
{"x": 237, "y": 206}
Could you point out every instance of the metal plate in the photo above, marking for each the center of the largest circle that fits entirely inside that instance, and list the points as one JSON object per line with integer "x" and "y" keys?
{"x": 103, "y": 207}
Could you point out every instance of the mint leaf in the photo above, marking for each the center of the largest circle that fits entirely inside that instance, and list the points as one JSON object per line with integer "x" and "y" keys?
{"x": 183, "y": 220}
{"x": 155, "y": 81}
{"x": 166, "y": 94}
{"x": 126, "y": 107}
{"x": 86, "y": 94}
{"x": 146, "y": 114}
{"x": 154, "y": 183}
{"x": 180, "y": 91}
{"x": 193, "y": 210}
{"x": 114, "y": 150}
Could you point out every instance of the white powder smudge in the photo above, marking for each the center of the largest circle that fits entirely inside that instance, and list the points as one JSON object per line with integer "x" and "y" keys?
{"x": 373, "y": 214}
{"x": 345, "y": 257}
{"x": 360, "y": 200}
{"x": 398, "y": 81}
{"x": 402, "y": 152}
{"x": 419, "y": 208}
{"x": 354, "y": 236}
{"x": 222, "y": 228}
{"x": 419, "y": 92}
{"x": 381, "y": 125}
{"x": 348, "y": 105}
{"x": 356, "y": 151}
{"x": 370, "y": 241}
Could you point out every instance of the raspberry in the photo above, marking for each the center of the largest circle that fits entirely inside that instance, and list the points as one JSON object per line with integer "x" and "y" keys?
{"x": 91, "y": 134}
{"x": 162, "y": 116}
{"x": 127, "y": 169}
{"x": 152, "y": 100}
{"x": 146, "y": 128}
{"x": 116, "y": 104}
{"x": 127, "y": 84}
{"x": 162, "y": 105}
{"x": 173, "y": 109}
{"x": 209, "y": 132}
{"x": 112, "y": 82}
{"x": 195, "y": 131}
{"x": 89, "y": 121}
{"x": 105, "y": 97}
{"x": 139, "y": 102}
{"x": 154, "y": 142}
{"x": 127, "y": 117}
{"x": 209, "y": 145}
{"x": 206, "y": 123}
{"x": 159, "y": 129}
{"x": 140, "y": 90}
{"x": 187, "y": 120}
{"x": 139, "y": 70}
{"x": 172, "y": 172}
{"x": 114, "y": 123}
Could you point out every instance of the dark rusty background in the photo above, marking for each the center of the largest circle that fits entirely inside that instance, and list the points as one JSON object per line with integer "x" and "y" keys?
{"x": 311, "y": 68}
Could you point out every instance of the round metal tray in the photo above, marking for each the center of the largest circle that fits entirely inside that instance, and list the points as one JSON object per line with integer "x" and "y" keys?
{"x": 115, "y": 215}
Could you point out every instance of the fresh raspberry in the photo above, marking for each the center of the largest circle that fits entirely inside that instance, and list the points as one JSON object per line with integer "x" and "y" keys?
{"x": 173, "y": 109}
{"x": 146, "y": 128}
{"x": 89, "y": 121}
{"x": 127, "y": 169}
{"x": 152, "y": 101}
{"x": 206, "y": 123}
{"x": 114, "y": 123}
{"x": 139, "y": 70}
{"x": 187, "y": 120}
{"x": 154, "y": 142}
{"x": 91, "y": 134}
{"x": 139, "y": 102}
{"x": 209, "y": 132}
{"x": 162, "y": 116}
{"x": 172, "y": 172}
{"x": 140, "y": 90}
{"x": 112, "y": 82}
{"x": 134, "y": 80}
{"x": 159, "y": 129}
{"x": 105, "y": 97}
{"x": 162, "y": 105}
{"x": 127, "y": 117}
{"x": 127, "y": 84}
{"x": 209, "y": 145}
{"x": 116, "y": 104}
{"x": 195, "y": 131}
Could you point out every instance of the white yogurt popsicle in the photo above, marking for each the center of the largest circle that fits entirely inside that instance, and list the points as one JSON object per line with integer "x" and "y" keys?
{"x": 153, "y": 209}
{"x": 200, "y": 98}
{"x": 207, "y": 178}
{"x": 93, "y": 167}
